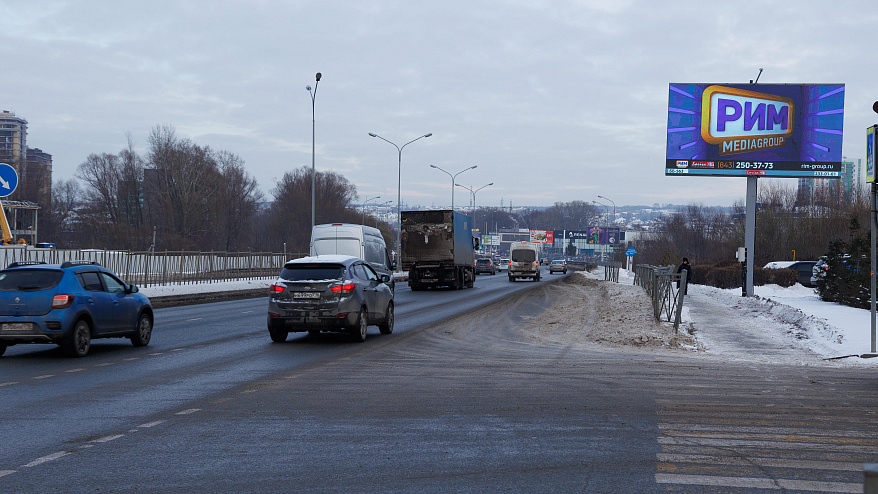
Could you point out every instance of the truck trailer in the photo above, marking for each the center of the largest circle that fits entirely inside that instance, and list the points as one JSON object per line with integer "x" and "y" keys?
{"x": 437, "y": 249}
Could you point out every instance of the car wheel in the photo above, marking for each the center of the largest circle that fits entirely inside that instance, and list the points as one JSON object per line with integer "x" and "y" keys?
{"x": 2, "y": 349}
{"x": 360, "y": 329}
{"x": 386, "y": 327}
{"x": 143, "y": 331}
{"x": 79, "y": 341}
{"x": 278, "y": 335}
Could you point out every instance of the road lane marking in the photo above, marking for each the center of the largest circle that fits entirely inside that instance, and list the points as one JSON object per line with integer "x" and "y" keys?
{"x": 189, "y": 411}
{"x": 756, "y": 483}
{"x": 129, "y": 359}
{"x": 10, "y": 383}
{"x": 177, "y": 349}
{"x": 45, "y": 376}
{"x": 195, "y": 319}
{"x": 762, "y": 462}
{"x": 4, "y": 473}
{"x": 107, "y": 439}
{"x": 105, "y": 364}
{"x": 151, "y": 424}
{"x": 75, "y": 370}
{"x": 47, "y": 458}
{"x": 156, "y": 353}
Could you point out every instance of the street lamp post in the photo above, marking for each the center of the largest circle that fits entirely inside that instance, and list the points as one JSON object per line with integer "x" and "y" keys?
{"x": 364, "y": 207}
{"x": 452, "y": 180}
{"x": 614, "y": 208}
{"x": 399, "y": 190}
{"x": 313, "y": 128}
{"x": 473, "y": 192}
{"x": 607, "y": 208}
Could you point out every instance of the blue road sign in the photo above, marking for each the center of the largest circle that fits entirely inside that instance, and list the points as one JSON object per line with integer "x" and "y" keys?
{"x": 8, "y": 180}
{"x": 630, "y": 252}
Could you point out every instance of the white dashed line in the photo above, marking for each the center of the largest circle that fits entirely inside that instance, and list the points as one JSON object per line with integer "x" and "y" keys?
{"x": 105, "y": 364}
{"x": 47, "y": 458}
{"x": 107, "y": 439}
{"x": 45, "y": 377}
{"x": 75, "y": 370}
{"x": 10, "y": 383}
{"x": 195, "y": 319}
{"x": 130, "y": 359}
{"x": 157, "y": 353}
{"x": 178, "y": 349}
{"x": 151, "y": 424}
{"x": 3, "y": 473}
{"x": 189, "y": 411}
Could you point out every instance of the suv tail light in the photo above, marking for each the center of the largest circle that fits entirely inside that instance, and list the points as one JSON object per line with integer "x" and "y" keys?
{"x": 275, "y": 289}
{"x": 344, "y": 289}
{"x": 62, "y": 301}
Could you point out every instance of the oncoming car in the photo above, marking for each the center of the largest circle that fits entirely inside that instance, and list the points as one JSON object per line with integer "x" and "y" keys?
{"x": 70, "y": 304}
{"x": 559, "y": 265}
{"x": 329, "y": 293}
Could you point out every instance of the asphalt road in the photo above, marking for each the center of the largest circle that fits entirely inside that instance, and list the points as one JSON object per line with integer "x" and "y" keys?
{"x": 457, "y": 399}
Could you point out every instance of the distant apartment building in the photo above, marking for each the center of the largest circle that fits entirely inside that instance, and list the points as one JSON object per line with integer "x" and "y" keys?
{"x": 34, "y": 168}
{"x": 13, "y": 139}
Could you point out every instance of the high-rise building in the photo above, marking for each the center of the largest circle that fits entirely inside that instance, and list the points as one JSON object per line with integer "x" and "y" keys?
{"x": 832, "y": 191}
{"x": 13, "y": 139}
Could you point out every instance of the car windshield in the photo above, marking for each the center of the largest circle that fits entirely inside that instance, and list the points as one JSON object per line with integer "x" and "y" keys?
{"x": 557, "y": 262}
{"x": 524, "y": 255}
{"x": 29, "y": 280}
{"x": 312, "y": 272}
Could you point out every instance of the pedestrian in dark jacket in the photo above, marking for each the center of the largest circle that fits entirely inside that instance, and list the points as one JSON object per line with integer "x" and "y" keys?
{"x": 685, "y": 266}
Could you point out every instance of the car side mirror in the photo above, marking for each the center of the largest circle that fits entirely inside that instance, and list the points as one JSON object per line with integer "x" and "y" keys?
{"x": 133, "y": 289}
{"x": 385, "y": 278}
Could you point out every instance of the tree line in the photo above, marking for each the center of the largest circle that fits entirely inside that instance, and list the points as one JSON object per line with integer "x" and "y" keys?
{"x": 787, "y": 228}
{"x": 182, "y": 196}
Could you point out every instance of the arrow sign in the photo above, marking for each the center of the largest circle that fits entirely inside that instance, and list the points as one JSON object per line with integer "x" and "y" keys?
{"x": 8, "y": 180}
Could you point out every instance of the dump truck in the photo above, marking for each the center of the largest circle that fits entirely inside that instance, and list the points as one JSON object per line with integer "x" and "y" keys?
{"x": 437, "y": 249}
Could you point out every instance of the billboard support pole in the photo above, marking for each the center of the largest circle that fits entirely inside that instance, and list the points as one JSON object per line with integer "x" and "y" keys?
{"x": 750, "y": 232}
{"x": 874, "y": 223}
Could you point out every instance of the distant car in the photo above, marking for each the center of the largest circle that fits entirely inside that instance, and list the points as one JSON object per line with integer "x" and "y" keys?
{"x": 804, "y": 268}
{"x": 486, "y": 265}
{"x": 504, "y": 264}
{"x": 70, "y": 304}
{"x": 818, "y": 272}
{"x": 558, "y": 265}
{"x": 329, "y": 293}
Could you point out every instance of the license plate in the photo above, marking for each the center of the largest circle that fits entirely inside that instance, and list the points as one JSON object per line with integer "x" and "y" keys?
{"x": 16, "y": 326}
{"x": 309, "y": 295}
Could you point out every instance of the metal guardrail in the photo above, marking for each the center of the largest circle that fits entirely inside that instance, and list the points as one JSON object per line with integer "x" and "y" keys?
{"x": 660, "y": 284}
{"x": 162, "y": 268}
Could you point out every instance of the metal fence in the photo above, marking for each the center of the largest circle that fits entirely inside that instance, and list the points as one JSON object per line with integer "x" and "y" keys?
{"x": 611, "y": 270}
{"x": 163, "y": 268}
{"x": 666, "y": 290}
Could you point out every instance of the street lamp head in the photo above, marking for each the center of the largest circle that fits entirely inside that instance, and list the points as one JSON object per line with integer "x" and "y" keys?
{"x": 373, "y": 135}
{"x": 308, "y": 88}
{"x": 492, "y": 183}
{"x": 433, "y": 166}
{"x": 428, "y": 135}
{"x": 474, "y": 166}
{"x": 318, "y": 76}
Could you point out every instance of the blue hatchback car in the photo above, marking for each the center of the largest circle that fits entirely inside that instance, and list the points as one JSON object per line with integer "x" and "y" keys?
{"x": 70, "y": 304}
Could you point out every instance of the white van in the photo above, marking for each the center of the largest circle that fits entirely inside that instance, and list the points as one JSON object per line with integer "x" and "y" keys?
{"x": 525, "y": 263}
{"x": 348, "y": 239}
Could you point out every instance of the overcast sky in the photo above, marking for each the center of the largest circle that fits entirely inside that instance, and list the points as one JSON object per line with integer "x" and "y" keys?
{"x": 553, "y": 101}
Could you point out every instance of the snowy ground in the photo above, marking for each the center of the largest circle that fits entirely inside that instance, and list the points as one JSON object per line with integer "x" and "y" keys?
{"x": 789, "y": 325}
{"x": 784, "y": 325}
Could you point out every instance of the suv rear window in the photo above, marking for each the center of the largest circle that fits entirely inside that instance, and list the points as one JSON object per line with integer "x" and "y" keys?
{"x": 484, "y": 261}
{"x": 312, "y": 272}
{"x": 29, "y": 280}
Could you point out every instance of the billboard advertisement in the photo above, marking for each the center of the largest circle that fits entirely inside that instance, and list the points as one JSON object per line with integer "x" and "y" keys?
{"x": 738, "y": 130}
{"x": 541, "y": 236}
{"x": 593, "y": 235}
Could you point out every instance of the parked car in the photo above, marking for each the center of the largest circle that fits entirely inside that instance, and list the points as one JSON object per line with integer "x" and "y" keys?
{"x": 69, "y": 305}
{"x": 558, "y": 265}
{"x": 486, "y": 265}
{"x": 818, "y": 272}
{"x": 329, "y": 293}
{"x": 804, "y": 268}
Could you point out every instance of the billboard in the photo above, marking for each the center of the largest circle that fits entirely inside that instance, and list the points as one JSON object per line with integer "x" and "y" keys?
{"x": 541, "y": 236}
{"x": 772, "y": 130}
{"x": 593, "y": 235}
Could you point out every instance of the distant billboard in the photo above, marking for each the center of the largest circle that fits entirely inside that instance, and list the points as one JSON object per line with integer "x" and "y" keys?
{"x": 593, "y": 235}
{"x": 772, "y": 130}
{"x": 541, "y": 236}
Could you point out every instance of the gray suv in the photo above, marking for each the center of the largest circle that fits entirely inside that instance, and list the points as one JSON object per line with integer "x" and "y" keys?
{"x": 329, "y": 293}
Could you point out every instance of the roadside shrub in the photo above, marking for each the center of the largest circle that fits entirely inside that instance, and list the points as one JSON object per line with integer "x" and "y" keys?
{"x": 728, "y": 275}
